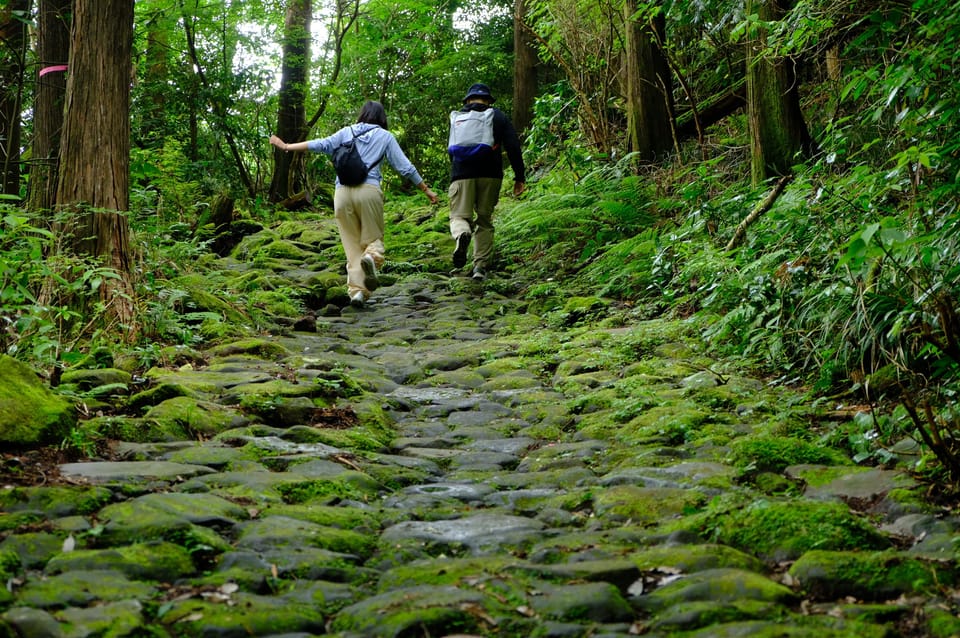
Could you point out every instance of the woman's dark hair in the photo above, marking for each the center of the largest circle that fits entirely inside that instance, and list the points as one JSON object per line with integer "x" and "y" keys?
{"x": 373, "y": 113}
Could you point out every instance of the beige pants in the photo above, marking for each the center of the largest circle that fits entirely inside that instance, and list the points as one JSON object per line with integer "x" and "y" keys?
{"x": 359, "y": 214}
{"x": 471, "y": 211}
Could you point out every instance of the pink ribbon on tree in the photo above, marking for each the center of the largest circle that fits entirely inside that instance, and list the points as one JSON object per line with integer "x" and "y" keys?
{"x": 52, "y": 69}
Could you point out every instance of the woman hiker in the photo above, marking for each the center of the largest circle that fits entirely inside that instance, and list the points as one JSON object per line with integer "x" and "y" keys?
{"x": 359, "y": 209}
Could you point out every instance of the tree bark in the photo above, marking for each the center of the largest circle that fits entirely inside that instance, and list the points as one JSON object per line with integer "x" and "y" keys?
{"x": 13, "y": 40}
{"x": 95, "y": 147}
{"x": 53, "y": 51}
{"x": 778, "y": 132}
{"x": 289, "y": 168}
{"x": 648, "y": 86}
{"x": 524, "y": 69}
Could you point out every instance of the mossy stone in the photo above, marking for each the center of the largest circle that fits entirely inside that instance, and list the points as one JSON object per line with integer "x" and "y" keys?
{"x": 55, "y": 501}
{"x": 263, "y": 348}
{"x": 158, "y": 561}
{"x": 646, "y": 505}
{"x": 29, "y": 412}
{"x": 774, "y": 454}
{"x": 82, "y": 589}
{"x": 869, "y": 575}
{"x": 785, "y": 529}
{"x": 716, "y": 585}
{"x": 199, "y": 419}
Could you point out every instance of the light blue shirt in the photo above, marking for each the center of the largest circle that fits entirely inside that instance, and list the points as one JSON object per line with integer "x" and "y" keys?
{"x": 373, "y": 143}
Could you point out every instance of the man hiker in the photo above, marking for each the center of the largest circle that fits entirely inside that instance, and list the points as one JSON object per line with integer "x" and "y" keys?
{"x": 478, "y": 135}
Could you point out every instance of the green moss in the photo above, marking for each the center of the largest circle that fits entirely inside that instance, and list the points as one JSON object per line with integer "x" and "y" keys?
{"x": 135, "y": 430}
{"x": 254, "y": 346}
{"x": 29, "y": 412}
{"x": 646, "y": 505}
{"x": 349, "y": 485}
{"x": 349, "y": 518}
{"x": 161, "y": 561}
{"x": 942, "y": 623}
{"x": 55, "y": 501}
{"x": 774, "y": 454}
{"x": 784, "y": 530}
{"x": 275, "y": 303}
{"x": 869, "y": 575}
{"x": 11, "y": 521}
{"x": 817, "y": 475}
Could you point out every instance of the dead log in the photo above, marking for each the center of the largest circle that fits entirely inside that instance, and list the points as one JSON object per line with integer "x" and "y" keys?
{"x": 299, "y": 201}
{"x": 712, "y": 110}
{"x": 758, "y": 210}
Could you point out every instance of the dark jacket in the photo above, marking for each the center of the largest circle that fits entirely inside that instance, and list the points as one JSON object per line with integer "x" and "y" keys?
{"x": 491, "y": 164}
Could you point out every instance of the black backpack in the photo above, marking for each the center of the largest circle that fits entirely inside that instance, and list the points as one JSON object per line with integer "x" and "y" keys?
{"x": 351, "y": 171}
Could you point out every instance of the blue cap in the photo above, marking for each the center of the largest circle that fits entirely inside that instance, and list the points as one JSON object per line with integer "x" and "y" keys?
{"x": 479, "y": 90}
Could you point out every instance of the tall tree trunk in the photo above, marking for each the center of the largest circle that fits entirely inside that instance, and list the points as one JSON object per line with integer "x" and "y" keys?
{"x": 288, "y": 172}
{"x": 53, "y": 50}
{"x": 95, "y": 148}
{"x": 524, "y": 69}
{"x": 155, "y": 87}
{"x": 778, "y": 132}
{"x": 649, "y": 86}
{"x": 13, "y": 43}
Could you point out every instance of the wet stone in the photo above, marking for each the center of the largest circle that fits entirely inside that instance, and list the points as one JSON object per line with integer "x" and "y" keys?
{"x": 466, "y": 492}
{"x": 107, "y": 472}
{"x": 482, "y": 533}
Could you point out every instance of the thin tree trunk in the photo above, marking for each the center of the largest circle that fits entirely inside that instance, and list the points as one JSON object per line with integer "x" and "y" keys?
{"x": 778, "y": 133}
{"x": 95, "y": 147}
{"x": 53, "y": 51}
{"x": 288, "y": 172}
{"x": 524, "y": 69}
{"x": 348, "y": 11}
{"x": 218, "y": 109}
{"x": 649, "y": 86}
{"x": 13, "y": 40}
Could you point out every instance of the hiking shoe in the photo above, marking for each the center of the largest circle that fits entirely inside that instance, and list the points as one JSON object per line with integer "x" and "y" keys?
{"x": 370, "y": 279}
{"x": 356, "y": 300}
{"x": 460, "y": 254}
{"x": 479, "y": 274}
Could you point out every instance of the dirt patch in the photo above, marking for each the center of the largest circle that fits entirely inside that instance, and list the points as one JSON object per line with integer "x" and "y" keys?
{"x": 41, "y": 466}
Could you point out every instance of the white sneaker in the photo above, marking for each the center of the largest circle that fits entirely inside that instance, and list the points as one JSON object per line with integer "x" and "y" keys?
{"x": 356, "y": 300}
{"x": 479, "y": 274}
{"x": 370, "y": 279}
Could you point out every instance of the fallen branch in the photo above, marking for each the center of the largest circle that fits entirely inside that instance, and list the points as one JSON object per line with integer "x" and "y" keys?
{"x": 760, "y": 209}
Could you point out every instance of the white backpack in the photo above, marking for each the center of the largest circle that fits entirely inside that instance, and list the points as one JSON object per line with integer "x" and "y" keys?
{"x": 471, "y": 134}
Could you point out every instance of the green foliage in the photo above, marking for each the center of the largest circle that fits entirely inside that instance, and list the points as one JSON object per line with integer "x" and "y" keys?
{"x": 42, "y": 290}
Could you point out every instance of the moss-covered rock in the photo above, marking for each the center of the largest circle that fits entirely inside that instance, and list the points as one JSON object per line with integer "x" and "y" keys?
{"x": 785, "y": 529}
{"x": 716, "y": 585}
{"x": 434, "y": 611}
{"x": 774, "y": 454}
{"x": 876, "y": 576}
{"x": 262, "y": 348}
{"x": 646, "y": 505}
{"x": 29, "y": 412}
{"x": 55, "y": 501}
{"x": 301, "y": 612}
{"x": 82, "y": 589}
{"x": 198, "y": 419}
{"x": 157, "y": 561}
{"x": 95, "y": 378}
